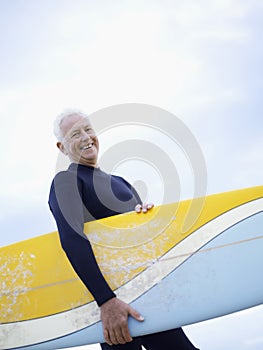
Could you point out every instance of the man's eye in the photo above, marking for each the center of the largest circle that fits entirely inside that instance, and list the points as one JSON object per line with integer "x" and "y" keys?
{"x": 76, "y": 134}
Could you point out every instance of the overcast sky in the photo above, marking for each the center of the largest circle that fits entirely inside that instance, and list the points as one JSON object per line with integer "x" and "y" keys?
{"x": 199, "y": 60}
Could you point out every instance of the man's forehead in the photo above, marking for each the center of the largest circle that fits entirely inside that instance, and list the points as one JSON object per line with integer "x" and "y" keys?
{"x": 74, "y": 121}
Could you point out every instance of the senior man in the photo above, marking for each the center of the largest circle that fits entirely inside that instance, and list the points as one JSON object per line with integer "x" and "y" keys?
{"x": 83, "y": 193}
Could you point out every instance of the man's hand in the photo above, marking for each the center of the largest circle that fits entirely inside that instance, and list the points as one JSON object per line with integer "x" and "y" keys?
{"x": 143, "y": 207}
{"x": 114, "y": 317}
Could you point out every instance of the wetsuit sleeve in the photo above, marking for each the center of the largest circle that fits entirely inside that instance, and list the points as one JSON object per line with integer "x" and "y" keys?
{"x": 67, "y": 208}
{"x": 133, "y": 190}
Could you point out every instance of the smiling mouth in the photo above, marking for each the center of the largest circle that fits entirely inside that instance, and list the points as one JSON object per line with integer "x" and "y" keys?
{"x": 90, "y": 145}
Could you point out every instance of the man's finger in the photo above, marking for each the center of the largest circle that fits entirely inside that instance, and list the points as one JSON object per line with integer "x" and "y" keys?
{"x": 120, "y": 335}
{"x": 126, "y": 334}
{"x": 138, "y": 208}
{"x": 146, "y": 207}
{"x": 112, "y": 338}
{"x": 135, "y": 314}
{"x": 107, "y": 337}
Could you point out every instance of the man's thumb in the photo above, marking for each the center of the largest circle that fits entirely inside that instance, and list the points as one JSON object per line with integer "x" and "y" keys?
{"x": 135, "y": 314}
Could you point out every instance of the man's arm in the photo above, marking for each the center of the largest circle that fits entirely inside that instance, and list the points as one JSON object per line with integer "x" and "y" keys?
{"x": 67, "y": 208}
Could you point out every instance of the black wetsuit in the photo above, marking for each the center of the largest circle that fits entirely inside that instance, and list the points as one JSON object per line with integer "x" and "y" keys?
{"x": 83, "y": 194}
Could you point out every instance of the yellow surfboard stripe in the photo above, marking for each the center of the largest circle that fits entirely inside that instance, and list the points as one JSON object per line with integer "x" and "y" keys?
{"x": 38, "y": 280}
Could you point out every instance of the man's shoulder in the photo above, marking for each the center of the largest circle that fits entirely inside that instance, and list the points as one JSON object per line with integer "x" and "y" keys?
{"x": 64, "y": 177}
{"x": 63, "y": 182}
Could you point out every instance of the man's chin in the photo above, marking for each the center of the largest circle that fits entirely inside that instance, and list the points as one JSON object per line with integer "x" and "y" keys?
{"x": 88, "y": 161}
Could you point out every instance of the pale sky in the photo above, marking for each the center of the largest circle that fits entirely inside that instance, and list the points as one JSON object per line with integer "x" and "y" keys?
{"x": 199, "y": 60}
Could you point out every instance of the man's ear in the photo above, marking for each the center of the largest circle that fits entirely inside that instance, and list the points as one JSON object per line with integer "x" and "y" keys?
{"x": 61, "y": 147}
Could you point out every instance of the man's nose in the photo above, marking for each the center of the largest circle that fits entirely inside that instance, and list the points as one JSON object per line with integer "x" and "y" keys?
{"x": 84, "y": 135}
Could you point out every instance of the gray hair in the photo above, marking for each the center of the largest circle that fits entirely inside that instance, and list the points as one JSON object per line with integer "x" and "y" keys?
{"x": 59, "y": 119}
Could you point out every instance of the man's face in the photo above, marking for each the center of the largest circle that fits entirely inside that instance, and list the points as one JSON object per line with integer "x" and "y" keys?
{"x": 80, "y": 143}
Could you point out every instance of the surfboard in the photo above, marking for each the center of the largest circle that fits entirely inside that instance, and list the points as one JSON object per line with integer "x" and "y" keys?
{"x": 172, "y": 274}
